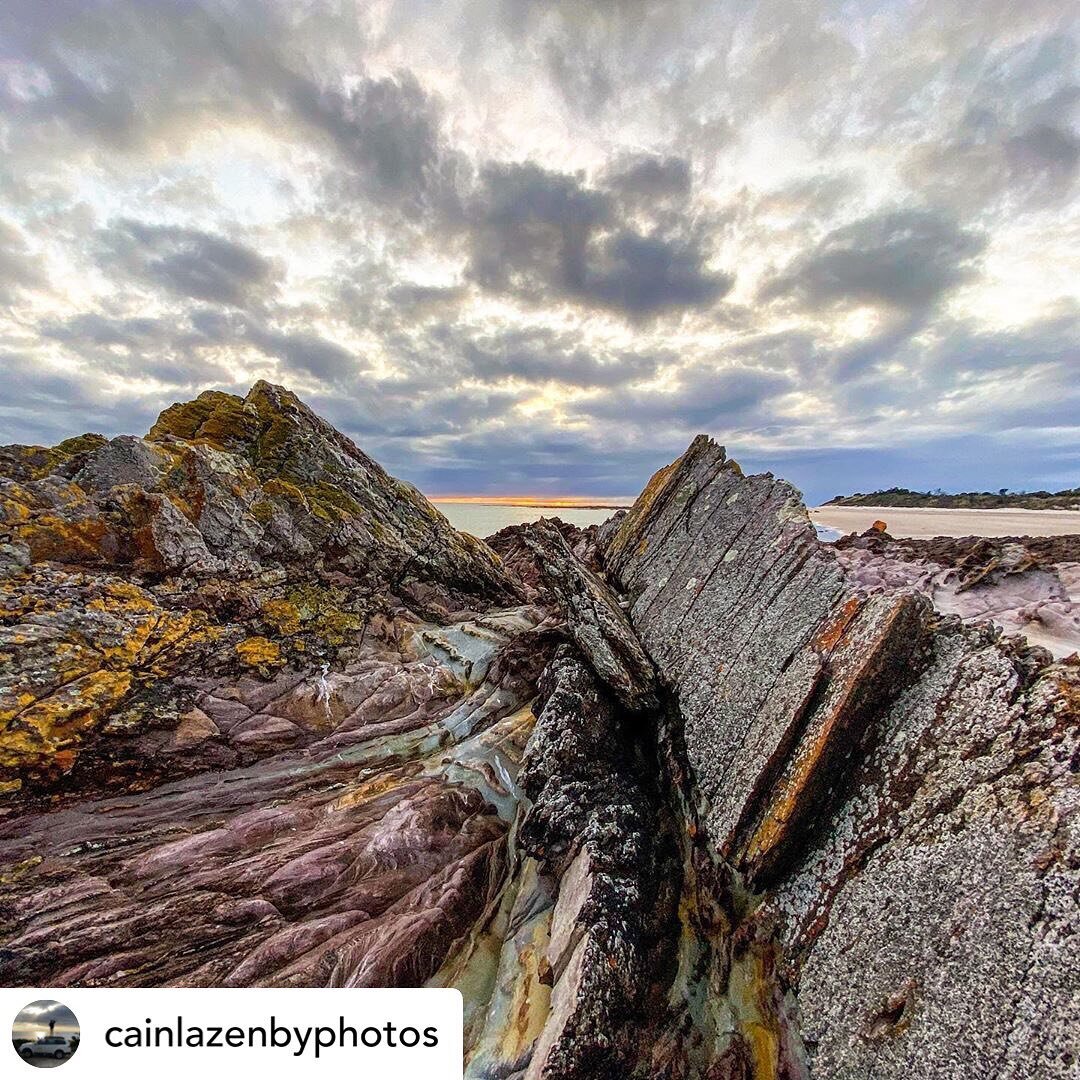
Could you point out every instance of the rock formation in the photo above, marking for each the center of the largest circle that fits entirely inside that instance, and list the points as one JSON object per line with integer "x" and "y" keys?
{"x": 1023, "y": 584}
{"x": 690, "y": 796}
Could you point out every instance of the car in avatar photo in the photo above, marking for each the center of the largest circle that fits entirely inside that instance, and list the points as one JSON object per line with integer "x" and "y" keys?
{"x": 54, "y": 1046}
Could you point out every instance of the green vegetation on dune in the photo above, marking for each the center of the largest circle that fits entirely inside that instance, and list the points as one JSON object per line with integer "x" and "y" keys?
{"x": 1067, "y": 499}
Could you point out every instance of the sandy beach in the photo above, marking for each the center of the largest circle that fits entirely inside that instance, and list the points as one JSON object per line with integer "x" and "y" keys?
{"x": 924, "y": 522}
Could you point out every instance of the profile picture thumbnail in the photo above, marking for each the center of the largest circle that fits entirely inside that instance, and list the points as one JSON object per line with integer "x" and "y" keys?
{"x": 45, "y": 1034}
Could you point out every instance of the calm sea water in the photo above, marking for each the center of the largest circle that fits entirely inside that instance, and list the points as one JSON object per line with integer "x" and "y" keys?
{"x": 483, "y": 519}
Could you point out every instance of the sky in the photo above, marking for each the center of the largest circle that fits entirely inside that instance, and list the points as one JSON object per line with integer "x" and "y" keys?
{"x": 34, "y": 1020}
{"x": 513, "y": 246}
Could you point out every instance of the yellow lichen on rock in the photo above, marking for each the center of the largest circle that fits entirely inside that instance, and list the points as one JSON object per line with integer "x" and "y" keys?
{"x": 102, "y": 639}
{"x": 282, "y": 615}
{"x": 259, "y": 652}
{"x": 33, "y": 735}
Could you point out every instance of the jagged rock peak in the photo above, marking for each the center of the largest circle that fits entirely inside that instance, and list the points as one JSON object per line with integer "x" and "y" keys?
{"x": 237, "y": 485}
{"x": 897, "y": 789}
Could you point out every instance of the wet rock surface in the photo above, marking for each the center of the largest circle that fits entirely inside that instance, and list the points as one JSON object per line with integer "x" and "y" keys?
{"x": 688, "y": 795}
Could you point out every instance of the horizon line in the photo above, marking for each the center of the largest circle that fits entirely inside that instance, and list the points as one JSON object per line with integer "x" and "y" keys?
{"x": 566, "y": 502}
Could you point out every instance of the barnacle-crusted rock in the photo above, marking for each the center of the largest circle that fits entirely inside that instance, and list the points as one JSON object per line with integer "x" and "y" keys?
{"x": 593, "y": 822}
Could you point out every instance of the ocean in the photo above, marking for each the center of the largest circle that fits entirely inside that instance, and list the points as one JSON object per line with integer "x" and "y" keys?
{"x": 483, "y": 519}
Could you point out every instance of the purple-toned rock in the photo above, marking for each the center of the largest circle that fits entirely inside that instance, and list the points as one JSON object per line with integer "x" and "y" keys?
{"x": 688, "y": 796}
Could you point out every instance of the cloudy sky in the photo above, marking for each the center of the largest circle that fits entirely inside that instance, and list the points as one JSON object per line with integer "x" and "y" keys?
{"x": 34, "y": 1020}
{"x": 526, "y": 246}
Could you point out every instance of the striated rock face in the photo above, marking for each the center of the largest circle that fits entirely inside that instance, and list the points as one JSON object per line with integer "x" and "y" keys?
{"x": 593, "y": 614}
{"x": 689, "y": 796}
{"x": 358, "y": 860}
{"x": 898, "y": 793}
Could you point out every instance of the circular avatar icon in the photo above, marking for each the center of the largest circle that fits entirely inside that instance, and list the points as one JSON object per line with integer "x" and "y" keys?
{"x": 45, "y": 1034}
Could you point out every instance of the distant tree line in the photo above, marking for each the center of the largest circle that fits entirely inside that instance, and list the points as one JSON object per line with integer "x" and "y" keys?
{"x": 1002, "y": 499}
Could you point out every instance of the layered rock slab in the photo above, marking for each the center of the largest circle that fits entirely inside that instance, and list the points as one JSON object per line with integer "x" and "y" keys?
{"x": 360, "y": 859}
{"x": 594, "y": 617}
{"x": 900, "y": 794}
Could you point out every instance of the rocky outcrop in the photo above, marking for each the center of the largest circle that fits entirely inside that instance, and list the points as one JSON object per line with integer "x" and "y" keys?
{"x": 241, "y": 535}
{"x": 592, "y": 823}
{"x": 897, "y": 792}
{"x": 689, "y": 796}
{"x": 240, "y": 486}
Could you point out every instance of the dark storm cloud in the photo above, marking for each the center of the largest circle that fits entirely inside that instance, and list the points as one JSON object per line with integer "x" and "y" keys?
{"x": 957, "y": 374}
{"x": 43, "y": 406}
{"x": 306, "y": 352}
{"x": 56, "y": 91}
{"x": 94, "y": 329}
{"x": 544, "y": 235}
{"x": 965, "y": 349}
{"x": 649, "y": 177}
{"x": 188, "y": 262}
{"x": 388, "y": 409}
{"x": 706, "y": 396}
{"x": 901, "y": 259}
{"x": 124, "y": 75}
{"x": 642, "y": 275}
{"x": 584, "y": 78}
{"x": 387, "y": 132}
{"x": 174, "y": 348}
{"x": 1014, "y": 139}
{"x": 533, "y": 228}
{"x": 1045, "y": 148}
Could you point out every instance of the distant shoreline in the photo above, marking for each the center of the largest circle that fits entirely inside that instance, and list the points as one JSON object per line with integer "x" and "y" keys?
{"x": 903, "y": 498}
